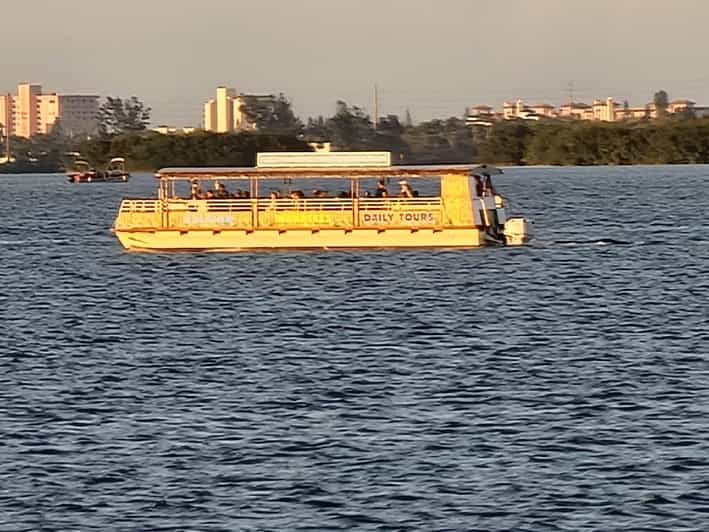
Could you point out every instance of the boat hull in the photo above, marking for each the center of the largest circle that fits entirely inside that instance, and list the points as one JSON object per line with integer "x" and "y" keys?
{"x": 233, "y": 240}
{"x": 120, "y": 178}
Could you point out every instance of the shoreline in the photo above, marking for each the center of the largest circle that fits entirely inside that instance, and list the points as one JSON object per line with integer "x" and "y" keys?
{"x": 499, "y": 165}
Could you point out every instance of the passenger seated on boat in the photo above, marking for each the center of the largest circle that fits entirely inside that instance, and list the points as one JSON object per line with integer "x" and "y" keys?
{"x": 195, "y": 191}
{"x": 478, "y": 186}
{"x": 210, "y": 195}
{"x": 381, "y": 190}
{"x": 274, "y": 196}
{"x": 367, "y": 194}
{"x": 405, "y": 191}
{"x": 344, "y": 195}
{"x": 297, "y": 194}
{"x": 221, "y": 192}
{"x": 319, "y": 193}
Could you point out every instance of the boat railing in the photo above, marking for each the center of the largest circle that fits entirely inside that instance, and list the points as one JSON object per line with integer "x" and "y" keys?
{"x": 283, "y": 212}
{"x": 139, "y": 213}
{"x": 281, "y": 204}
{"x": 129, "y": 206}
{"x": 305, "y": 204}
{"x": 341, "y": 204}
{"x": 210, "y": 205}
{"x": 382, "y": 204}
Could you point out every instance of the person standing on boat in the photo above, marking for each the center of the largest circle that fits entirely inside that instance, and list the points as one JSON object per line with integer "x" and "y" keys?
{"x": 478, "y": 186}
{"x": 488, "y": 189}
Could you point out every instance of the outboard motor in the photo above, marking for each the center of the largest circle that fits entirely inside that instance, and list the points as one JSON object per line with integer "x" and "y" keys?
{"x": 516, "y": 231}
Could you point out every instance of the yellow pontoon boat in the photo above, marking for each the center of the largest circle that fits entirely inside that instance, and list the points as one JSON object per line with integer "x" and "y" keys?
{"x": 451, "y": 211}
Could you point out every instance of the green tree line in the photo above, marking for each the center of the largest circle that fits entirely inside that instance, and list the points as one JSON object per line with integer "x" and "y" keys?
{"x": 669, "y": 140}
{"x": 676, "y": 141}
{"x": 435, "y": 141}
{"x": 40, "y": 154}
{"x": 150, "y": 150}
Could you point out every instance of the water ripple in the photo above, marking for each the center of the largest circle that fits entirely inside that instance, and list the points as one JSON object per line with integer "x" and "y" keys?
{"x": 560, "y": 386}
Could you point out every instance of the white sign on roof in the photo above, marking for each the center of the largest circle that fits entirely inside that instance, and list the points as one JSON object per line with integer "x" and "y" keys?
{"x": 334, "y": 159}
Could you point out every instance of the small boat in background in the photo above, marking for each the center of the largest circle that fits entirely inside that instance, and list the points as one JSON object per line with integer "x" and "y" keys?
{"x": 115, "y": 172}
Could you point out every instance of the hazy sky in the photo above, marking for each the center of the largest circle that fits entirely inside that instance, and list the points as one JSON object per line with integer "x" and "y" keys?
{"x": 434, "y": 57}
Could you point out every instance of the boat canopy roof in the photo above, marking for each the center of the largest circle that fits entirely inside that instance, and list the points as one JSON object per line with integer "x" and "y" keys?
{"x": 316, "y": 165}
{"x": 413, "y": 171}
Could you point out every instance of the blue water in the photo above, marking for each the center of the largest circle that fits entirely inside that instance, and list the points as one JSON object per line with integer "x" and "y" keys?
{"x": 559, "y": 386}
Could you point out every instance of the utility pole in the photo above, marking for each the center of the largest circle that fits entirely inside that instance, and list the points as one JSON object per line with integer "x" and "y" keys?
{"x": 8, "y": 107}
{"x": 571, "y": 91}
{"x": 376, "y": 105}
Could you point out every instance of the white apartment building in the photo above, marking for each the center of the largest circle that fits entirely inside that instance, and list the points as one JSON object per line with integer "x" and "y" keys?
{"x": 606, "y": 110}
{"x": 223, "y": 113}
{"x": 30, "y": 112}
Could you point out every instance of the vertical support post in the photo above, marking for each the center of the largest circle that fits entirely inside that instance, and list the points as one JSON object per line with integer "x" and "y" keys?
{"x": 164, "y": 206}
{"x": 254, "y": 202}
{"x": 8, "y": 126}
{"x": 486, "y": 219}
{"x": 354, "y": 187}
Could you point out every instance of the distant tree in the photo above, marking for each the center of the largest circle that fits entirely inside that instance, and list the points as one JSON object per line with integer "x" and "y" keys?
{"x": 662, "y": 102}
{"x": 57, "y": 131}
{"x": 96, "y": 152}
{"x": 390, "y": 125}
{"x": 507, "y": 142}
{"x": 408, "y": 122}
{"x": 271, "y": 114}
{"x": 316, "y": 130}
{"x": 439, "y": 141}
{"x": 117, "y": 116}
{"x": 388, "y": 137}
{"x": 686, "y": 114}
{"x": 351, "y": 128}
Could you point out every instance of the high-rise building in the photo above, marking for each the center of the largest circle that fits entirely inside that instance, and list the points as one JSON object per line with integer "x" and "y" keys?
{"x": 225, "y": 109}
{"x": 210, "y": 115}
{"x": 7, "y": 113}
{"x": 78, "y": 114}
{"x": 27, "y": 117}
{"x": 30, "y": 112}
{"x": 223, "y": 113}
